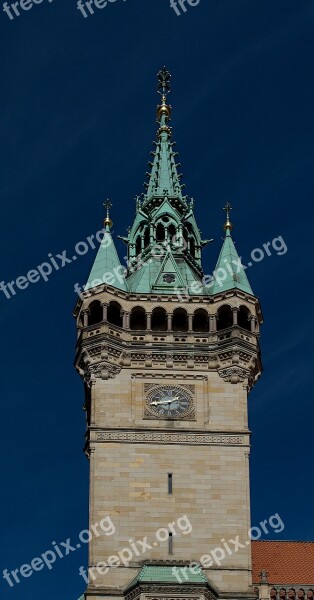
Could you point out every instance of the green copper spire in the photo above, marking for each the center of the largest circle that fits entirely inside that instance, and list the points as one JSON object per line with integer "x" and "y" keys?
{"x": 164, "y": 178}
{"x": 164, "y": 238}
{"x": 233, "y": 275}
{"x": 107, "y": 267}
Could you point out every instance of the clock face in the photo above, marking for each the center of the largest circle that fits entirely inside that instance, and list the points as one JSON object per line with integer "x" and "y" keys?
{"x": 169, "y": 401}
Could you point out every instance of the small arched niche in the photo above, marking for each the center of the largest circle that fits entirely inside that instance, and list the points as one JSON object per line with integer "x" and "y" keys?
{"x": 224, "y": 318}
{"x": 138, "y": 321}
{"x": 159, "y": 319}
{"x": 114, "y": 314}
{"x": 201, "y": 320}
{"x": 95, "y": 313}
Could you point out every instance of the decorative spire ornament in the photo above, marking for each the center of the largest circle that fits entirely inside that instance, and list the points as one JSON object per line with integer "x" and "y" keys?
{"x": 163, "y": 88}
{"x": 228, "y": 225}
{"x": 107, "y": 222}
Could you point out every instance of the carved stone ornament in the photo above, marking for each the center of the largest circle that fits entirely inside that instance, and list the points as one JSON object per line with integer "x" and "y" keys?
{"x": 234, "y": 374}
{"x": 103, "y": 370}
{"x": 157, "y": 437}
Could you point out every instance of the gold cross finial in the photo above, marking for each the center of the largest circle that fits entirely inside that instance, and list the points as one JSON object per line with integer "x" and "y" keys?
{"x": 228, "y": 224}
{"x": 164, "y": 78}
{"x": 107, "y": 222}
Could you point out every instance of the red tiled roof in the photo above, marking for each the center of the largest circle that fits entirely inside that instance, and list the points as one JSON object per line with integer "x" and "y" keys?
{"x": 285, "y": 562}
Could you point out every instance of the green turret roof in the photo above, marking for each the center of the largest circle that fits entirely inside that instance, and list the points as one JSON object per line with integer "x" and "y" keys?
{"x": 107, "y": 267}
{"x": 230, "y": 274}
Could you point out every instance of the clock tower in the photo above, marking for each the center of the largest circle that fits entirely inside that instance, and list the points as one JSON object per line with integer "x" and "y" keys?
{"x": 168, "y": 357}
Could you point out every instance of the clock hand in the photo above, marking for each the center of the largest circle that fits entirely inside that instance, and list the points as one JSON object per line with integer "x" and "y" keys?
{"x": 157, "y": 403}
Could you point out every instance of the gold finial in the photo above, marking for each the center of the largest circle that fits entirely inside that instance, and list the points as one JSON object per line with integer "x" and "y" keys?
{"x": 228, "y": 225}
{"x": 107, "y": 222}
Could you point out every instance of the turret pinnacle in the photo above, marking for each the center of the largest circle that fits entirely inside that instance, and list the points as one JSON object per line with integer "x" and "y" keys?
{"x": 107, "y": 222}
{"x": 107, "y": 267}
{"x": 164, "y": 179}
{"x": 228, "y": 225}
{"x": 229, "y": 264}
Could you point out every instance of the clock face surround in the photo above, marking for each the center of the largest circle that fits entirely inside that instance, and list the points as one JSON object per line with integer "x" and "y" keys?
{"x": 169, "y": 402}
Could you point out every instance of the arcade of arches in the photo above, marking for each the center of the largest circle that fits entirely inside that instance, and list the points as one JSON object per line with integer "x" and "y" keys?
{"x": 178, "y": 320}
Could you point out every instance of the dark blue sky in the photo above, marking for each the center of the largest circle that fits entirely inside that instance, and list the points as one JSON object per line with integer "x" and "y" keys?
{"x": 76, "y": 125}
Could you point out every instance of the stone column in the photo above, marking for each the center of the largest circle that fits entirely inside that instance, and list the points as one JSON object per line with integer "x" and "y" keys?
{"x": 190, "y": 322}
{"x": 148, "y": 320}
{"x": 125, "y": 320}
{"x": 235, "y": 315}
{"x": 85, "y": 318}
{"x": 169, "y": 322}
{"x": 253, "y": 324}
{"x": 104, "y": 311}
{"x": 213, "y": 323}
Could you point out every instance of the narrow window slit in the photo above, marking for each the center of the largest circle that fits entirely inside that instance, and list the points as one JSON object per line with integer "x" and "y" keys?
{"x": 170, "y": 542}
{"x": 170, "y": 484}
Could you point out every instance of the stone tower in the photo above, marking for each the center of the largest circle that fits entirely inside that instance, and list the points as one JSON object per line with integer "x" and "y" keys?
{"x": 168, "y": 357}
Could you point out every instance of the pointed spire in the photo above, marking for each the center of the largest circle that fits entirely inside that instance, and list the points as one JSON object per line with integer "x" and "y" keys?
{"x": 229, "y": 270}
{"x": 164, "y": 218}
{"x": 164, "y": 179}
{"x": 107, "y": 267}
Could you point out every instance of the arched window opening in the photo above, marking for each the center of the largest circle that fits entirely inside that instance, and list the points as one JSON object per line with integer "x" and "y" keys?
{"x": 192, "y": 247}
{"x": 201, "y": 320}
{"x": 172, "y": 233}
{"x": 159, "y": 319}
{"x": 115, "y": 314}
{"x": 95, "y": 313}
{"x": 244, "y": 318}
{"x": 225, "y": 318}
{"x": 138, "y": 319}
{"x": 179, "y": 320}
{"x": 138, "y": 245}
{"x": 146, "y": 237}
{"x": 160, "y": 233}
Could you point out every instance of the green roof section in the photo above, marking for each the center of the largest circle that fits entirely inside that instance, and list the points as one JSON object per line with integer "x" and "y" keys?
{"x": 161, "y": 574}
{"x": 164, "y": 234}
{"x": 229, "y": 273}
{"x": 107, "y": 267}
